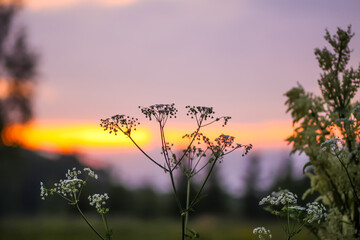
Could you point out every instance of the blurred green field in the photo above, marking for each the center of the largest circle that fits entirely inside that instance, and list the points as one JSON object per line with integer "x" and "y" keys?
{"x": 209, "y": 228}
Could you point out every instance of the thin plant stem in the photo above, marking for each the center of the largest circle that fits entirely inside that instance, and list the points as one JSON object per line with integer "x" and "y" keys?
{"x": 148, "y": 155}
{"x": 80, "y": 191}
{"x": 187, "y": 149}
{"x": 199, "y": 122}
{"x": 174, "y": 190}
{"x": 132, "y": 140}
{"x": 217, "y": 119}
{"x": 349, "y": 177}
{"x": 163, "y": 143}
{"x": 194, "y": 172}
{"x": 205, "y": 165}
{"x": 103, "y": 216}
{"x": 187, "y": 203}
{"x": 164, "y": 148}
{"x": 203, "y": 185}
{"x": 67, "y": 199}
{"x": 88, "y": 223}
{"x": 297, "y": 230}
{"x": 183, "y": 234}
{"x": 288, "y": 222}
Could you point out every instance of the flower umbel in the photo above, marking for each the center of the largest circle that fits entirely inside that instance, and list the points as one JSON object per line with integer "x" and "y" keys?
{"x": 99, "y": 201}
{"x": 191, "y": 161}
{"x": 69, "y": 187}
{"x": 332, "y": 145}
{"x": 201, "y": 113}
{"x": 287, "y": 201}
{"x": 43, "y": 191}
{"x": 224, "y": 144}
{"x": 119, "y": 123}
{"x": 161, "y": 112}
{"x": 262, "y": 233}
{"x": 315, "y": 212}
{"x": 282, "y": 197}
{"x": 91, "y": 173}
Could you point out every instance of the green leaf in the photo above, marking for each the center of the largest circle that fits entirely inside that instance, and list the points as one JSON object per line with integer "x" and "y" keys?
{"x": 306, "y": 165}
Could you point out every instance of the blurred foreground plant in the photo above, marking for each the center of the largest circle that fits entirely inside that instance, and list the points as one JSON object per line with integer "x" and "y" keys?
{"x": 327, "y": 130}
{"x": 70, "y": 189}
{"x": 284, "y": 204}
{"x": 201, "y": 154}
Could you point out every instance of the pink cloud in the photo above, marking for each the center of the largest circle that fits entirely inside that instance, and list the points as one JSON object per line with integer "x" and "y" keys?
{"x": 56, "y": 4}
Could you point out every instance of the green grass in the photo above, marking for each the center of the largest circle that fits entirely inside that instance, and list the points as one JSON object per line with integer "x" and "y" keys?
{"x": 63, "y": 228}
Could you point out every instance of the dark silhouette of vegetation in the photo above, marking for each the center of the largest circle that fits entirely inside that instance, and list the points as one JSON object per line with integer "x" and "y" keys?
{"x": 283, "y": 179}
{"x": 252, "y": 195}
{"x": 17, "y": 69}
{"x": 296, "y": 185}
{"x": 216, "y": 198}
{"x": 19, "y": 182}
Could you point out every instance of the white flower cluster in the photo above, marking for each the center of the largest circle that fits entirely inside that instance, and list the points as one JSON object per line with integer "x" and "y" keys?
{"x": 297, "y": 208}
{"x": 262, "y": 233}
{"x": 68, "y": 187}
{"x": 315, "y": 212}
{"x": 72, "y": 174}
{"x": 43, "y": 191}
{"x": 99, "y": 200}
{"x": 283, "y": 197}
{"x": 91, "y": 173}
{"x": 331, "y": 144}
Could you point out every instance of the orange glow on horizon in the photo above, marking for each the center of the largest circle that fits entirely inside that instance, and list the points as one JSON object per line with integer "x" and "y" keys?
{"x": 270, "y": 134}
{"x": 72, "y": 137}
{"x": 69, "y": 137}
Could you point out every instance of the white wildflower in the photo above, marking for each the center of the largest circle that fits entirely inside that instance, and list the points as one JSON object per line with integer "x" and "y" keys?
{"x": 91, "y": 173}
{"x": 315, "y": 212}
{"x": 262, "y": 233}
{"x": 72, "y": 174}
{"x": 332, "y": 144}
{"x": 43, "y": 191}
{"x": 283, "y": 197}
{"x": 99, "y": 200}
{"x": 68, "y": 187}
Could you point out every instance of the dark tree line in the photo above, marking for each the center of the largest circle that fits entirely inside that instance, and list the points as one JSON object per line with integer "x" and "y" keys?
{"x": 22, "y": 170}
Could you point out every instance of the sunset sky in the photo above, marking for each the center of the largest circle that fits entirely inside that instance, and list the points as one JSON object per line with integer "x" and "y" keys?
{"x": 104, "y": 57}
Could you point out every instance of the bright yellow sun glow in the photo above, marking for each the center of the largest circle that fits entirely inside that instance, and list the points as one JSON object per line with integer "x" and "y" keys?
{"x": 72, "y": 137}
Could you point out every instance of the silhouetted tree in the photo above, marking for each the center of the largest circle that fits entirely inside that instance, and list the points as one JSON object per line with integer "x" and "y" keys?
{"x": 250, "y": 200}
{"x": 215, "y": 197}
{"x": 286, "y": 180}
{"x": 17, "y": 69}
